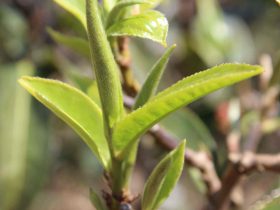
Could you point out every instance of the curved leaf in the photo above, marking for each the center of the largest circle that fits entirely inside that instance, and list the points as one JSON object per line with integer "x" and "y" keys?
{"x": 182, "y": 93}
{"x": 108, "y": 4}
{"x": 77, "y": 44}
{"x": 150, "y": 25}
{"x": 73, "y": 107}
{"x": 151, "y": 83}
{"x": 163, "y": 178}
{"x": 153, "y": 4}
{"x": 76, "y": 7}
{"x": 120, "y": 6}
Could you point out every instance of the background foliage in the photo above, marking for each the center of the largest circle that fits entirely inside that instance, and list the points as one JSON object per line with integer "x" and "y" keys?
{"x": 43, "y": 166}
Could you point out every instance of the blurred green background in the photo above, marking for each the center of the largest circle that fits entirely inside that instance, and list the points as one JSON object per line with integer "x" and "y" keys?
{"x": 43, "y": 164}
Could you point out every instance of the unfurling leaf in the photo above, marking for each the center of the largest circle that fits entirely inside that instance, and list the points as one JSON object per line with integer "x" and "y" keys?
{"x": 120, "y": 6}
{"x": 171, "y": 99}
{"x": 73, "y": 107}
{"x": 151, "y": 83}
{"x": 163, "y": 178}
{"x": 105, "y": 67}
{"x": 150, "y": 25}
{"x": 153, "y": 4}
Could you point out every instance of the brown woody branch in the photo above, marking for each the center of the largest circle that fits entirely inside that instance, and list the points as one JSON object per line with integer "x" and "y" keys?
{"x": 130, "y": 85}
{"x": 219, "y": 191}
{"x": 200, "y": 160}
{"x": 243, "y": 164}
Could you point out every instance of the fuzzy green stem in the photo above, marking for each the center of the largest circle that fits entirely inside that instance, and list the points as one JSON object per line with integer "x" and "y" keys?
{"x": 109, "y": 86}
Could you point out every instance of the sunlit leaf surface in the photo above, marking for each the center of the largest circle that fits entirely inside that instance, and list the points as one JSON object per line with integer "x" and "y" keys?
{"x": 182, "y": 93}
{"x": 73, "y": 107}
{"x": 150, "y": 25}
{"x": 76, "y": 7}
{"x": 151, "y": 83}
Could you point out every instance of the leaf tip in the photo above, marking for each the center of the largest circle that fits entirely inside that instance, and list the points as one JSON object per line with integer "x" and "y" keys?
{"x": 23, "y": 80}
{"x": 182, "y": 145}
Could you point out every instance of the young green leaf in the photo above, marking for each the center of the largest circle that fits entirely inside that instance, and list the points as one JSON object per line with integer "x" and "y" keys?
{"x": 109, "y": 4}
{"x": 275, "y": 79}
{"x": 163, "y": 178}
{"x": 105, "y": 66}
{"x": 77, "y": 44}
{"x": 73, "y": 107}
{"x": 153, "y": 4}
{"x": 151, "y": 83}
{"x": 271, "y": 202}
{"x": 93, "y": 93}
{"x": 76, "y": 8}
{"x": 120, "y": 6}
{"x": 150, "y": 25}
{"x": 182, "y": 93}
{"x": 96, "y": 201}
{"x": 274, "y": 204}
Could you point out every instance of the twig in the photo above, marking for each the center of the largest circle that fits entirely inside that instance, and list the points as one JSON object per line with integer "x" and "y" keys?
{"x": 199, "y": 160}
{"x": 130, "y": 85}
{"x": 241, "y": 164}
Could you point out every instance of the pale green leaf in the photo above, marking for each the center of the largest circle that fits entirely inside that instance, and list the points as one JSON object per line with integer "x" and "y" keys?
{"x": 270, "y": 202}
{"x": 109, "y": 4}
{"x": 275, "y": 79}
{"x": 153, "y": 4}
{"x": 163, "y": 178}
{"x": 96, "y": 201}
{"x": 77, "y": 44}
{"x": 150, "y": 25}
{"x": 93, "y": 93}
{"x": 76, "y": 7}
{"x": 105, "y": 67}
{"x": 151, "y": 83}
{"x": 120, "y": 6}
{"x": 73, "y": 107}
{"x": 182, "y": 93}
{"x": 273, "y": 204}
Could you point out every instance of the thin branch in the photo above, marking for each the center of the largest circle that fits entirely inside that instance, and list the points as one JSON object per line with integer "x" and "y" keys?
{"x": 199, "y": 160}
{"x": 130, "y": 85}
{"x": 241, "y": 164}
